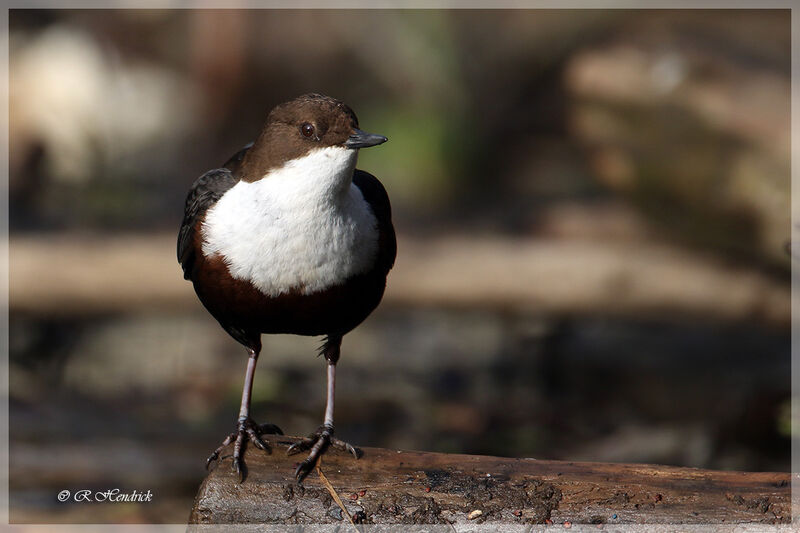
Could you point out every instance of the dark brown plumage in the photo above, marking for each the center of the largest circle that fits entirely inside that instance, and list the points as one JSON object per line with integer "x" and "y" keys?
{"x": 280, "y": 140}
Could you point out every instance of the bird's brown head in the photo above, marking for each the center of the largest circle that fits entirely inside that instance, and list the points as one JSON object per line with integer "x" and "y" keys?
{"x": 299, "y": 126}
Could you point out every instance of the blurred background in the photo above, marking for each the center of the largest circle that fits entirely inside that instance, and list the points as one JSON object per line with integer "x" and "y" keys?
{"x": 592, "y": 210}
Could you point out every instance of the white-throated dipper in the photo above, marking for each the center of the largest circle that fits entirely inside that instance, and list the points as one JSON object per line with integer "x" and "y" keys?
{"x": 289, "y": 237}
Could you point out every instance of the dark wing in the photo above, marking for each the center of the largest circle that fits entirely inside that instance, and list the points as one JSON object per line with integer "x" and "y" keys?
{"x": 205, "y": 192}
{"x": 235, "y": 160}
{"x": 376, "y": 197}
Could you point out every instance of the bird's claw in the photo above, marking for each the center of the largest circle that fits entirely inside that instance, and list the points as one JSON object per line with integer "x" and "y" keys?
{"x": 355, "y": 452}
{"x": 299, "y": 446}
{"x": 318, "y": 442}
{"x": 215, "y": 454}
{"x": 304, "y": 468}
{"x": 247, "y": 430}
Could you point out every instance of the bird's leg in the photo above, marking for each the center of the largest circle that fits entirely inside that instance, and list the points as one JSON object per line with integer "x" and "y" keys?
{"x": 322, "y": 438}
{"x": 246, "y": 428}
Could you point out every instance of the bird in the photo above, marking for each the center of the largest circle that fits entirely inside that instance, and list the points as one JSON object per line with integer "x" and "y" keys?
{"x": 289, "y": 237}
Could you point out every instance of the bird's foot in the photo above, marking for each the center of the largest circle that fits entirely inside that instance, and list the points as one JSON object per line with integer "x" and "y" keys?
{"x": 246, "y": 430}
{"x": 318, "y": 442}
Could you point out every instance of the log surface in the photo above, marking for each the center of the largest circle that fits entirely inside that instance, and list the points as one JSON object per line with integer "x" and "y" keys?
{"x": 404, "y": 487}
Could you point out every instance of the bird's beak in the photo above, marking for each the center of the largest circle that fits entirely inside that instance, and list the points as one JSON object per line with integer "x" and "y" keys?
{"x": 362, "y": 139}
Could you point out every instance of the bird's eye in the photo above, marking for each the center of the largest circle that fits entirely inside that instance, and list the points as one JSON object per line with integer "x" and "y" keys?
{"x": 307, "y": 129}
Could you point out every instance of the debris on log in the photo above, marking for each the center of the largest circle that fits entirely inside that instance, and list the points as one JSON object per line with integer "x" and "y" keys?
{"x": 404, "y": 487}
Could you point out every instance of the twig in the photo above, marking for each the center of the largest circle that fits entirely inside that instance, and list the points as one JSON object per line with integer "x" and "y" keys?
{"x": 333, "y": 493}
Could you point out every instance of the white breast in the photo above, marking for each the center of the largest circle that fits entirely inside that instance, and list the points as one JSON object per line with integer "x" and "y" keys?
{"x": 304, "y": 226}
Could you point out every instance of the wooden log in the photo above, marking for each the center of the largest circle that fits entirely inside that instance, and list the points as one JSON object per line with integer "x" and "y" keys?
{"x": 403, "y": 487}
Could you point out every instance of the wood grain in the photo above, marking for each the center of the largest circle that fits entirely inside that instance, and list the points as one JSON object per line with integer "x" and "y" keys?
{"x": 406, "y": 487}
